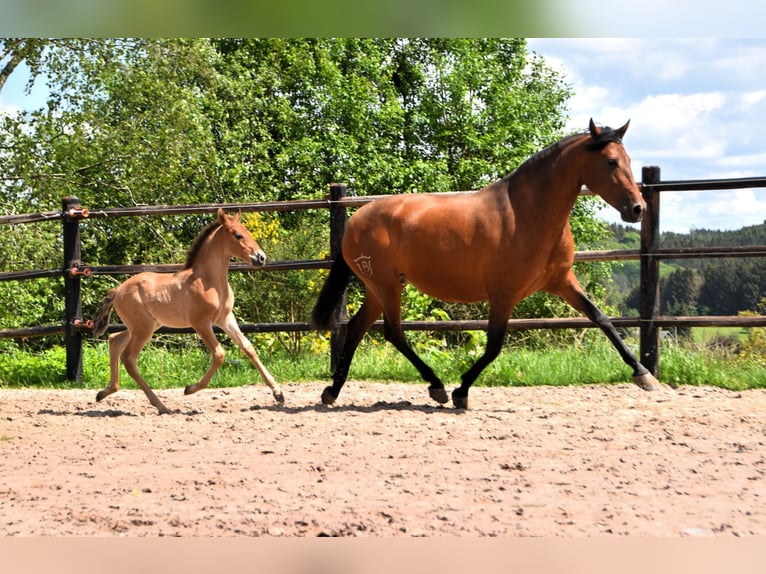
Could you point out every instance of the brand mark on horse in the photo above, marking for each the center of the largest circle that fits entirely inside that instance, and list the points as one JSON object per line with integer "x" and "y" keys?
{"x": 364, "y": 264}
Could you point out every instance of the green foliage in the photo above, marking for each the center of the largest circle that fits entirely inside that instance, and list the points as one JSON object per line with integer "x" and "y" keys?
{"x": 173, "y": 121}
{"x": 591, "y": 362}
{"x": 754, "y": 347}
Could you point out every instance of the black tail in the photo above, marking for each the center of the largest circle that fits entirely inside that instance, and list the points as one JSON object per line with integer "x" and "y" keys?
{"x": 101, "y": 320}
{"x": 324, "y": 316}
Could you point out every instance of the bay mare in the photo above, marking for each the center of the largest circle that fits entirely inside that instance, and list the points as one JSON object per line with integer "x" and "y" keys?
{"x": 500, "y": 244}
{"x": 198, "y": 296}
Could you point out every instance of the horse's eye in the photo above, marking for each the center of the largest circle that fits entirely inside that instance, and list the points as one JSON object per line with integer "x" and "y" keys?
{"x": 612, "y": 162}
{"x": 238, "y": 236}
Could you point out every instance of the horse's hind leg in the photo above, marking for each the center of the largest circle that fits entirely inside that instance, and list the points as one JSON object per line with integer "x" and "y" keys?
{"x": 357, "y": 327}
{"x": 130, "y": 360}
{"x": 117, "y": 342}
{"x": 231, "y": 328}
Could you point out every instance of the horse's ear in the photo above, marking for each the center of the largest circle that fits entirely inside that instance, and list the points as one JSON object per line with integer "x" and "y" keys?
{"x": 221, "y": 215}
{"x": 238, "y": 216}
{"x": 594, "y": 129}
{"x": 621, "y": 131}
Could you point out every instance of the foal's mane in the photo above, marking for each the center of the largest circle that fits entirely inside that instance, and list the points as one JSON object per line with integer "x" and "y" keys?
{"x": 199, "y": 241}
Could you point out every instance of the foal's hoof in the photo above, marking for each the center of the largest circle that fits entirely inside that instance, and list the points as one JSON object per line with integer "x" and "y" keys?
{"x": 647, "y": 382}
{"x": 459, "y": 402}
{"x": 439, "y": 394}
{"x": 328, "y": 397}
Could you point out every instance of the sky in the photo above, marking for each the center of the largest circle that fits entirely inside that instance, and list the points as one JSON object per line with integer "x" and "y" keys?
{"x": 697, "y": 109}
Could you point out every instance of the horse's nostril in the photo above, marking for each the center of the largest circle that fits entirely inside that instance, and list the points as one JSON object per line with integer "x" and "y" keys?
{"x": 258, "y": 258}
{"x": 638, "y": 209}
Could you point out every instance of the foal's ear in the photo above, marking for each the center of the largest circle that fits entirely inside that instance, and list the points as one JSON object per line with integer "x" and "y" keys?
{"x": 621, "y": 131}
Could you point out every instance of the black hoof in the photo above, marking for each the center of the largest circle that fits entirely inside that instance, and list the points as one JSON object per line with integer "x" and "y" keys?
{"x": 459, "y": 402}
{"x": 439, "y": 394}
{"x": 328, "y": 397}
{"x": 280, "y": 398}
{"x": 100, "y": 396}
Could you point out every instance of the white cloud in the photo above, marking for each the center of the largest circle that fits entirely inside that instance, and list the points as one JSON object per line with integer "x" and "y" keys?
{"x": 697, "y": 109}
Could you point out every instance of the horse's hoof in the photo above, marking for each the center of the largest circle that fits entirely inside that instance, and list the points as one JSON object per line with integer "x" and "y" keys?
{"x": 190, "y": 390}
{"x": 647, "y": 382}
{"x": 459, "y": 402}
{"x": 439, "y": 394}
{"x": 100, "y": 396}
{"x": 280, "y": 398}
{"x": 328, "y": 397}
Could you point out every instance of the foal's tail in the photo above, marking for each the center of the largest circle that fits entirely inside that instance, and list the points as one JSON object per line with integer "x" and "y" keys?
{"x": 324, "y": 315}
{"x": 101, "y": 320}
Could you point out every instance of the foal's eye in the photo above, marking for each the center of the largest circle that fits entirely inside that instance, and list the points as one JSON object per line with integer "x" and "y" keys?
{"x": 238, "y": 236}
{"x": 612, "y": 162}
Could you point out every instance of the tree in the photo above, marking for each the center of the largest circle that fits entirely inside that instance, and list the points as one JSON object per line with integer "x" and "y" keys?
{"x": 133, "y": 121}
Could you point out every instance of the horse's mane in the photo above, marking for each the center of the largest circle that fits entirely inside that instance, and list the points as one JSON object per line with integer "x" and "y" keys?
{"x": 606, "y": 136}
{"x": 200, "y": 239}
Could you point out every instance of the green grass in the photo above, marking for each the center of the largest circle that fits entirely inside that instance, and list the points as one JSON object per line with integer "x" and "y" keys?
{"x": 595, "y": 361}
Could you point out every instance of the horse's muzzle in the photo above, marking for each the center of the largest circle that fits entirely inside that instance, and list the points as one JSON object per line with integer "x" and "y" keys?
{"x": 633, "y": 213}
{"x": 258, "y": 259}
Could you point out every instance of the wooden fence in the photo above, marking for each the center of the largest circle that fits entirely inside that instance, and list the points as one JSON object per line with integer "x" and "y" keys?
{"x": 650, "y": 254}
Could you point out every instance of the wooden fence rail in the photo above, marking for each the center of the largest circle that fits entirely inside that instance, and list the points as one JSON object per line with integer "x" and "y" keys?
{"x": 650, "y": 253}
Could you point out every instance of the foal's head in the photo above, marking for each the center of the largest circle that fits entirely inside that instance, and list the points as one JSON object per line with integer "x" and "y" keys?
{"x": 237, "y": 240}
{"x": 607, "y": 172}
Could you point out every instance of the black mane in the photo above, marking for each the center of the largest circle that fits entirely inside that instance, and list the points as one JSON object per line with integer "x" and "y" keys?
{"x": 200, "y": 239}
{"x": 606, "y": 136}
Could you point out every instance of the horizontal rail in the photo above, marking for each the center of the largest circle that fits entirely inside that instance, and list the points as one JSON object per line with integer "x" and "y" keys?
{"x": 349, "y": 201}
{"x": 584, "y": 256}
{"x": 468, "y": 325}
{"x": 707, "y": 184}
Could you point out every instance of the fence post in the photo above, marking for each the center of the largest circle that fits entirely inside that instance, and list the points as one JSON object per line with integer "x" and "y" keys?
{"x": 338, "y": 217}
{"x": 72, "y": 300}
{"x": 650, "y": 272}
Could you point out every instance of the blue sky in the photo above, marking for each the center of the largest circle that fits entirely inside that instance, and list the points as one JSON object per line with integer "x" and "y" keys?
{"x": 697, "y": 109}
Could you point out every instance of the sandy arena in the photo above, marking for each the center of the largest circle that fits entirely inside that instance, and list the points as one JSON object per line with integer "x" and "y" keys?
{"x": 385, "y": 461}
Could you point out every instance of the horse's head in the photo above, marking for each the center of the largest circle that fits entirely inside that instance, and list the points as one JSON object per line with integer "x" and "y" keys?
{"x": 607, "y": 172}
{"x": 239, "y": 242}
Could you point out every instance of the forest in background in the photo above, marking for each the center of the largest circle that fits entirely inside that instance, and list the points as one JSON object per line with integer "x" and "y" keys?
{"x": 715, "y": 286}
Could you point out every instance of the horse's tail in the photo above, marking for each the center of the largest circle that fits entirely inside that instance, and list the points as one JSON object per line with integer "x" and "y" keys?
{"x": 101, "y": 320}
{"x": 324, "y": 315}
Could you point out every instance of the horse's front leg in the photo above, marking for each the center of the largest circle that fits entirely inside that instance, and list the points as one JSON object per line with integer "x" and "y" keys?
{"x": 231, "y": 328}
{"x": 572, "y": 293}
{"x": 499, "y": 311}
{"x": 206, "y": 333}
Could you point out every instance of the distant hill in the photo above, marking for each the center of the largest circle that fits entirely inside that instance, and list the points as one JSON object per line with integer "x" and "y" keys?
{"x": 715, "y": 286}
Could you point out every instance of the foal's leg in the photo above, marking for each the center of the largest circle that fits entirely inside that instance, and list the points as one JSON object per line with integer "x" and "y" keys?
{"x": 231, "y": 328}
{"x": 207, "y": 335}
{"x": 575, "y": 296}
{"x": 117, "y": 342}
{"x": 393, "y": 332}
{"x": 357, "y": 327}
{"x": 138, "y": 338}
